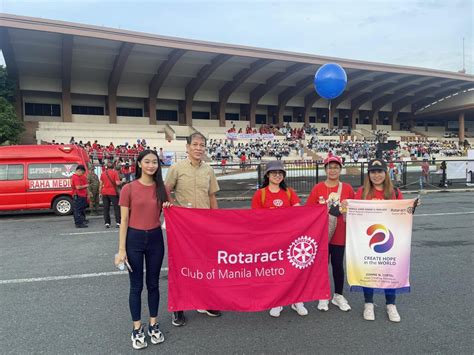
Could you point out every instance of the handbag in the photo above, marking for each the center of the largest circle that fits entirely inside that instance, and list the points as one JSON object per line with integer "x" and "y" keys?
{"x": 333, "y": 211}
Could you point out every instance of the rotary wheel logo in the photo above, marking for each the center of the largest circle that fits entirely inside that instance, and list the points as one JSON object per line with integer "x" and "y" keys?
{"x": 302, "y": 252}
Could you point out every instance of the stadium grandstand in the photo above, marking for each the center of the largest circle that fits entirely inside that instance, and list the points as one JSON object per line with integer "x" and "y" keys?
{"x": 114, "y": 87}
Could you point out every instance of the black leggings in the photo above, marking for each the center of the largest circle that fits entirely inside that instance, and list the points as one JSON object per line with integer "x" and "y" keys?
{"x": 149, "y": 245}
{"x": 336, "y": 257}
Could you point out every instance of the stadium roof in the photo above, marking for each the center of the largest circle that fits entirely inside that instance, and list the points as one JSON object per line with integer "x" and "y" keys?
{"x": 71, "y": 58}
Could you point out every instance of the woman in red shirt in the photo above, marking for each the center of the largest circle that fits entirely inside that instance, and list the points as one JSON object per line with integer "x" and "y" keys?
{"x": 275, "y": 194}
{"x": 334, "y": 192}
{"x": 141, "y": 239}
{"x": 378, "y": 186}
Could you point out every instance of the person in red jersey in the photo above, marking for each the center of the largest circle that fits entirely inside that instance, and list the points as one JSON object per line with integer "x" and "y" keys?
{"x": 378, "y": 186}
{"x": 275, "y": 194}
{"x": 109, "y": 183}
{"x": 333, "y": 192}
{"x": 79, "y": 192}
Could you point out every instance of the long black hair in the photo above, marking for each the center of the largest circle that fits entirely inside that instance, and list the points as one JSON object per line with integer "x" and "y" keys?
{"x": 161, "y": 194}
{"x": 266, "y": 182}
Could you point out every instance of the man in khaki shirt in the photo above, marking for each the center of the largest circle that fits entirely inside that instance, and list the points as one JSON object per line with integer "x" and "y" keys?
{"x": 194, "y": 185}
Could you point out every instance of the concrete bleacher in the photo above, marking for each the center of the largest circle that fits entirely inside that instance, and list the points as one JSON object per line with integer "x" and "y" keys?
{"x": 180, "y": 132}
{"x": 104, "y": 133}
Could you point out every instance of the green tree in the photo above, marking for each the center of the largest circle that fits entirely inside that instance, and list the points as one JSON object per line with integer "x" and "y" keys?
{"x": 7, "y": 86}
{"x": 10, "y": 127}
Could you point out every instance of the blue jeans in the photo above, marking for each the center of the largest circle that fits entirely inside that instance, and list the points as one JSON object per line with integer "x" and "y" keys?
{"x": 146, "y": 245}
{"x": 369, "y": 296}
{"x": 79, "y": 209}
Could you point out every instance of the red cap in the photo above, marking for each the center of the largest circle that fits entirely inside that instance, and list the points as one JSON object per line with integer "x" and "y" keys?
{"x": 333, "y": 159}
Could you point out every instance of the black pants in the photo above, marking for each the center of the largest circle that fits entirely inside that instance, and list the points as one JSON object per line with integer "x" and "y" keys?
{"x": 79, "y": 209}
{"x": 336, "y": 258}
{"x": 146, "y": 245}
{"x": 107, "y": 199}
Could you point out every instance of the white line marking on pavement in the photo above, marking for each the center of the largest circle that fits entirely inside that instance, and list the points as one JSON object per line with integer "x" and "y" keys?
{"x": 66, "y": 277}
{"x": 443, "y": 214}
{"x": 98, "y": 232}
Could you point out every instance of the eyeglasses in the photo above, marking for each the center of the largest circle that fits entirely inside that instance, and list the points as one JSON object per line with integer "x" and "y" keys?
{"x": 277, "y": 172}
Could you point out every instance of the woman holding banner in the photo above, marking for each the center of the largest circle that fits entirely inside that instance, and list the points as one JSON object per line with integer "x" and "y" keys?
{"x": 141, "y": 239}
{"x": 378, "y": 186}
{"x": 333, "y": 192}
{"x": 275, "y": 194}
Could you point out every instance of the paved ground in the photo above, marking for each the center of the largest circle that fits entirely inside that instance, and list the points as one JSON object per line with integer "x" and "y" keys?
{"x": 89, "y": 313}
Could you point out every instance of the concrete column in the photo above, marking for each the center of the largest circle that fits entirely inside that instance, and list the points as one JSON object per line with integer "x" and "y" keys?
{"x": 374, "y": 119}
{"x": 306, "y": 114}
{"x": 426, "y": 125}
{"x": 112, "y": 104}
{"x": 352, "y": 118}
{"x": 462, "y": 131}
{"x": 394, "y": 121}
{"x": 221, "y": 114}
{"x": 330, "y": 119}
{"x": 151, "y": 105}
{"x": 252, "y": 113}
{"x": 188, "y": 113}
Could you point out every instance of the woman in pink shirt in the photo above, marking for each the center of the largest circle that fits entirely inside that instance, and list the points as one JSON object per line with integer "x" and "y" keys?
{"x": 141, "y": 238}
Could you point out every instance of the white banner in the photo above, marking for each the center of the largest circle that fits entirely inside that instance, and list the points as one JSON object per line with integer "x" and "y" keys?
{"x": 268, "y": 136}
{"x": 378, "y": 244}
{"x": 456, "y": 170}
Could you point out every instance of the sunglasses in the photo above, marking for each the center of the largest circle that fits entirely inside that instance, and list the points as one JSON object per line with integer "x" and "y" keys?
{"x": 277, "y": 172}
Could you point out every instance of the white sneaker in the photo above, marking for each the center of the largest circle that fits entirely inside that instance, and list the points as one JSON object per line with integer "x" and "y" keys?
{"x": 275, "y": 311}
{"x": 156, "y": 336}
{"x": 323, "y": 305}
{"x": 393, "y": 313}
{"x": 369, "y": 313}
{"x": 341, "y": 302}
{"x": 299, "y": 308}
{"x": 138, "y": 338}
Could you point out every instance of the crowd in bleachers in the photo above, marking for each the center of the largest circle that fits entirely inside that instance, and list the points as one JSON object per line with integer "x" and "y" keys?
{"x": 447, "y": 149}
{"x": 123, "y": 156}
{"x": 254, "y": 149}
{"x": 263, "y": 129}
{"x": 349, "y": 149}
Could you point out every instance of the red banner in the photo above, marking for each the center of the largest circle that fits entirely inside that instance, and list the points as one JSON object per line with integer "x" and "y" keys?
{"x": 246, "y": 260}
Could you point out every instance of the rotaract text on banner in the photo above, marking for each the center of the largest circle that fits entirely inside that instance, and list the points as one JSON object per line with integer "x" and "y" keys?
{"x": 242, "y": 260}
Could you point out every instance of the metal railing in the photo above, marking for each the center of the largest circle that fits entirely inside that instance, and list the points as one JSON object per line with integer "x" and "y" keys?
{"x": 237, "y": 180}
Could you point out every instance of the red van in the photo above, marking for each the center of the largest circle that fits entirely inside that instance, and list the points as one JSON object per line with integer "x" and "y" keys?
{"x": 39, "y": 176}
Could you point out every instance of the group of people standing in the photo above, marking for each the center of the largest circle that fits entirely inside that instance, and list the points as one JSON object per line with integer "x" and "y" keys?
{"x": 194, "y": 185}
{"x": 90, "y": 188}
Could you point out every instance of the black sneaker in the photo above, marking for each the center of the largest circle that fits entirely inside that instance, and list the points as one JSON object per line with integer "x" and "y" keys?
{"x": 107, "y": 225}
{"x": 210, "y": 313}
{"x": 156, "y": 336}
{"x": 82, "y": 226}
{"x": 138, "y": 338}
{"x": 178, "y": 319}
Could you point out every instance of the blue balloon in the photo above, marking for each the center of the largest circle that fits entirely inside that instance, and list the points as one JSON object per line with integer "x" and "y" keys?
{"x": 330, "y": 81}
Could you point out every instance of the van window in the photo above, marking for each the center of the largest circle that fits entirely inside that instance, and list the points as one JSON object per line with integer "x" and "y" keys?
{"x": 51, "y": 171}
{"x": 11, "y": 172}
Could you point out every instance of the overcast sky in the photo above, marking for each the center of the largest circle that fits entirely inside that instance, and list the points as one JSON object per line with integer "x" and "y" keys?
{"x": 415, "y": 33}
